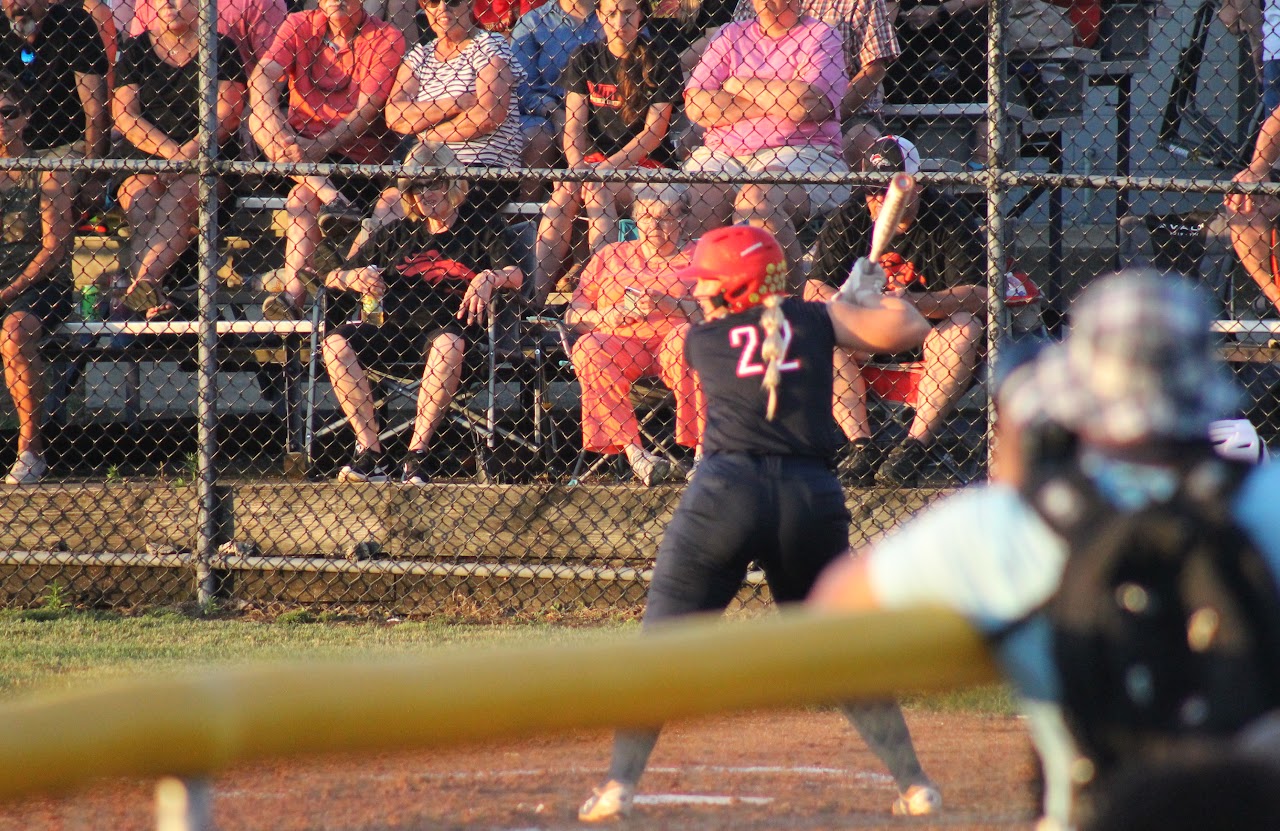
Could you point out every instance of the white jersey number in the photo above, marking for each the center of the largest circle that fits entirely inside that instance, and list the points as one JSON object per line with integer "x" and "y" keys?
{"x": 747, "y": 338}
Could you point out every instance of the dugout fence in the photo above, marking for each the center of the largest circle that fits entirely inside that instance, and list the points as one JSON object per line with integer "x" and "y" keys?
{"x": 194, "y": 453}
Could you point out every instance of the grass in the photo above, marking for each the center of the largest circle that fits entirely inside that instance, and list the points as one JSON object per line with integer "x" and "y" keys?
{"x": 55, "y": 648}
{"x": 44, "y": 650}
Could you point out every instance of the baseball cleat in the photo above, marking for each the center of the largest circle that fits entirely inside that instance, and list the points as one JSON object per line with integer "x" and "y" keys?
{"x": 918, "y": 801}
{"x": 610, "y": 801}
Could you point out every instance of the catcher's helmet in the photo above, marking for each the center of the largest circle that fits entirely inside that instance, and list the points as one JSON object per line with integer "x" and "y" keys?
{"x": 746, "y": 261}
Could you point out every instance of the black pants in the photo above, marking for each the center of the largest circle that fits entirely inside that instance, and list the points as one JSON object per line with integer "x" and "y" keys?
{"x": 787, "y": 514}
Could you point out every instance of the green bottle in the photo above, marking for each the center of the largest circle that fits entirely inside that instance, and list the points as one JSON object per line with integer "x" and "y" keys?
{"x": 89, "y": 296}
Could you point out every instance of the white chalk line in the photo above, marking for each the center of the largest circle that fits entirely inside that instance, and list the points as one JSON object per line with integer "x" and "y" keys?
{"x": 700, "y": 799}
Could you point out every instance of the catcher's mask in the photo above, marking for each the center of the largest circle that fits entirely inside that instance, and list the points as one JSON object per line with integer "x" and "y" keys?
{"x": 745, "y": 263}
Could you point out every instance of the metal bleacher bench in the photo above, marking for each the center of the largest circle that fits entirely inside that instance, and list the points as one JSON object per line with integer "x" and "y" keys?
{"x": 243, "y": 346}
{"x": 1256, "y": 341}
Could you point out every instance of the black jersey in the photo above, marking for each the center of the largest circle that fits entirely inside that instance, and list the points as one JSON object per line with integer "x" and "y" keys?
{"x": 726, "y": 355}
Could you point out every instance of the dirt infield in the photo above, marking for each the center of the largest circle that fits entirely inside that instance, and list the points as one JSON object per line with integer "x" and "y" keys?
{"x": 791, "y": 769}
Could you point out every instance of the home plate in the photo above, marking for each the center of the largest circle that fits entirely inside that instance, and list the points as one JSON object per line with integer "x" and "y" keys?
{"x": 700, "y": 799}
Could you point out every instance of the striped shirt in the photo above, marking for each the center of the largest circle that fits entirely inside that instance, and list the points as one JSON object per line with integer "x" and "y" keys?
{"x": 863, "y": 24}
{"x": 450, "y": 79}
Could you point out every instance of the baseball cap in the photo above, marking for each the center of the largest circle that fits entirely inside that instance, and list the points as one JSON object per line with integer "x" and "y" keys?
{"x": 891, "y": 154}
{"x": 1139, "y": 363}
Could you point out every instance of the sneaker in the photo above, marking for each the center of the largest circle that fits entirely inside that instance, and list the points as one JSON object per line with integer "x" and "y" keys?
{"x": 28, "y": 469}
{"x": 693, "y": 468}
{"x": 415, "y": 469}
{"x": 650, "y": 469}
{"x": 903, "y": 465}
{"x": 278, "y": 307}
{"x": 610, "y": 801}
{"x": 918, "y": 801}
{"x": 365, "y": 467}
{"x": 858, "y": 461}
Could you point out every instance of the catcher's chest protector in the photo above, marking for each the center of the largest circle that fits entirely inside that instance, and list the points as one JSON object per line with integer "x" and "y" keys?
{"x": 1166, "y": 625}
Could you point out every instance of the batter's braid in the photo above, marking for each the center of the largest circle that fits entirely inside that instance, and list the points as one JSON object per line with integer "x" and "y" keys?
{"x": 772, "y": 350}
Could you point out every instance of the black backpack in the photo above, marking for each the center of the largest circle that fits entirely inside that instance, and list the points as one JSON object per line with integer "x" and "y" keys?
{"x": 1166, "y": 624}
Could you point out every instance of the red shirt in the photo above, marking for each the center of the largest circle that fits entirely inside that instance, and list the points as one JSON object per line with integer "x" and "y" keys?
{"x": 325, "y": 86}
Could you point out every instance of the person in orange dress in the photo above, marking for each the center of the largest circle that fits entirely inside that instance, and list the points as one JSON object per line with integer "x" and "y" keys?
{"x": 632, "y": 310}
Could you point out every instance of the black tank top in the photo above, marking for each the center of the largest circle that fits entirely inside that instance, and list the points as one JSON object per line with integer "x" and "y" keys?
{"x": 726, "y": 354}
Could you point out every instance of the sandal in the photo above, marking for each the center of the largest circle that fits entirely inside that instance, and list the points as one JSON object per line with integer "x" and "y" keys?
{"x": 164, "y": 310}
{"x": 277, "y": 307}
{"x": 142, "y": 295}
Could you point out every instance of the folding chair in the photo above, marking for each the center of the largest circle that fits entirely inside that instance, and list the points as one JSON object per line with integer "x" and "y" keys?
{"x": 518, "y": 350}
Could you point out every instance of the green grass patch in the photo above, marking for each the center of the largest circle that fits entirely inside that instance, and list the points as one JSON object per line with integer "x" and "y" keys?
{"x": 53, "y": 647}
{"x": 994, "y": 699}
{"x": 48, "y": 649}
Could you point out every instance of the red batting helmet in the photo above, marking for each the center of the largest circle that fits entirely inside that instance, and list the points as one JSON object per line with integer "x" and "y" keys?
{"x": 746, "y": 261}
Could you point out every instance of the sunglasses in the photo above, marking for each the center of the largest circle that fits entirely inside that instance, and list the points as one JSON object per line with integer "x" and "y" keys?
{"x": 431, "y": 4}
{"x": 414, "y": 187}
{"x": 11, "y": 111}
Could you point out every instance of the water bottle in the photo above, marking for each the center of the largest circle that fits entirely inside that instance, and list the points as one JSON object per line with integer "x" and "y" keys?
{"x": 371, "y": 310}
{"x": 90, "y": 299}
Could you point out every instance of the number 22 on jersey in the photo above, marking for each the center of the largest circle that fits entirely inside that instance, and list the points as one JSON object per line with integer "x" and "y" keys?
{"x": 747, "y": 338}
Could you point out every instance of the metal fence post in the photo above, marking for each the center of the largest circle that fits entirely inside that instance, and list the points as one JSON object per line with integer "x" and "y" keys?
{"x": 998, "y": 126}
{"x": 207, "y": 390}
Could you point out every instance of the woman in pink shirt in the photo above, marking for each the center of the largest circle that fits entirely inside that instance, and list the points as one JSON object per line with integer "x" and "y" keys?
{"x": 768, "y": 93}
{"x": 339, "y": 63}
{"x": 632, "y": 310}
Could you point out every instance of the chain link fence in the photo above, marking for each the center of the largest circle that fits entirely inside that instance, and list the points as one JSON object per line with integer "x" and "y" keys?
{"x": 380, "y": 309}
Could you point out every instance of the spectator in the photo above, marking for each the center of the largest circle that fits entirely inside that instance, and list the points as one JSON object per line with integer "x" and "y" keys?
{"x": 631, "y": 307}
{"x": 401, "y": 14}
{"x": 544, "y": 40}
{"x": 251, "y": 24}
{"x": 617, "y": 111}
{"x": 35, "y": 276}
{"x": 1252, "y": 219}
{"x": 435, "y": 271}
{"x": 935, "y": 260}
{"x": 866, "y": 28}
{"x": 1137, "y": 382}
{"x": 768, "y": 93}
{"x": 56, "y": 53}
{"x": 155, "y": 107}
{"x": 459, "y": 89}
{"x": 339, "y": 64}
